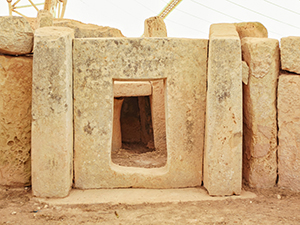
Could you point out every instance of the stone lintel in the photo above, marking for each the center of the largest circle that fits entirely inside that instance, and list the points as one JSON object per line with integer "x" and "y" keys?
{"x": 132, "y": 88}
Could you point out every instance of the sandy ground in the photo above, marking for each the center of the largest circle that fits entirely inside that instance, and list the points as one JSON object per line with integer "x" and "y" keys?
{"x": 272, "y": 206}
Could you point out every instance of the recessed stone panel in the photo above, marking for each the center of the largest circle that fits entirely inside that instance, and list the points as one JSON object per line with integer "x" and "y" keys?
{"x": 96, "y": 63}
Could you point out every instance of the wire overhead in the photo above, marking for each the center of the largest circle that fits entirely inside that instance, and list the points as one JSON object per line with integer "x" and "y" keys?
{"x": 262, "y": 14}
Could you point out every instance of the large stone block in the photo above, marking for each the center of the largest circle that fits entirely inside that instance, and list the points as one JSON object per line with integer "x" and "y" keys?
{"x": 82, "y": 30}
{"x": 181, "y": 64}
{"x": 290, "y": 54}
{"x": 52, "y": 112}
{"x": 260, "y": 125}
{"x": 15, "y": 122}
{"x": 155, "y": 27}
{"x": 16, "y": 35}
{"x": 223, "y": 129}
{"x": 289, "y": 132}
{"x": 251, "y": 29}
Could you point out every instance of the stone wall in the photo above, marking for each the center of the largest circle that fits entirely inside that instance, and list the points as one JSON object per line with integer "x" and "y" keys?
{"x": 254, "y": 126}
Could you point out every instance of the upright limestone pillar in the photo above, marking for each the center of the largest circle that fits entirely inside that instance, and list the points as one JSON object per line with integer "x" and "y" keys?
{"x": 52, "y": 112}
{"x": 260, "y": 122}
{"x": 223, "y": 134}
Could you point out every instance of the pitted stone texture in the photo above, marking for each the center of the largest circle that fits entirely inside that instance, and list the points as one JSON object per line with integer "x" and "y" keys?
{"x": 129, "y": 89}
{"x": 245, "y": 74}
{"x": 223, "y": 129}
{"x": 155, "y": 27}
{"x": 182, "y": 62}
{"x": 260, "y": 126}
{"x": 52, "y": 112}
{"x": 289, "y": 132}
{"x": 82, "y": 30}
{"x": 44, "y": 19}
{"x": 15, "y": 123}
{"x": 290, "y": 54}
{"x": 251, "y": 29}
{"x": 16, "y": 35}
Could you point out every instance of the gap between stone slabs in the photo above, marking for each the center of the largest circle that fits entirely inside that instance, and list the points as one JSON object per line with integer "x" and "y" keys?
{"x": 134, "y": 196}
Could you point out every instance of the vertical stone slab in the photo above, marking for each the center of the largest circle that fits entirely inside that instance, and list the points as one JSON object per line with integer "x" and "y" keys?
{"x": 223, "y": 134}
{"x": 158, "y": 114}
{"x": 260, "y": 125}
{"x": 15, "y": 120}
{"x": 289, "y": 132}
{"x": 52, "y": 112}
{"x": 117, "y": 134}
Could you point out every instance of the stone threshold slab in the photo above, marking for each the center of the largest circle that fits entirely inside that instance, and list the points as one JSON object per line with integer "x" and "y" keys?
{"x": 134, "y": 196}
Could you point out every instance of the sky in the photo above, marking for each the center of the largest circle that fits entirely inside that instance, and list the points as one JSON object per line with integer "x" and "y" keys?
{"x": 190, "y": 19}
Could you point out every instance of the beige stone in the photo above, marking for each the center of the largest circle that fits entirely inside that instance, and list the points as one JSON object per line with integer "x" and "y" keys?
{"x": 182, "y": 62}
{"x": 44, "y": 19}
{"x": 251, "y": 29}
{"x": 117, "y": 134}
{"x": 245, "y": 72}
{"x": 260, "y": 126}
{"x": 155, "y": 27}
{"x": 223, "y": 129}
{"x": 15, "y": 123}
{"x": 158, "y": 114}
{"x": 129, "y": 89}
{"x": 16, "y": 35}
{"x": 290, "y": 54}
{"x": 289, "y": 132}
{"x": 52, "y": 112}
{"x": 82, "y": 30}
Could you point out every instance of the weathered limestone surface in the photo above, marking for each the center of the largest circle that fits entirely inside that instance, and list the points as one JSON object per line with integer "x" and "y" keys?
{"x": 155, "y": 27}
{"x": 158, "y": 114}
{"x": 15, "y": 122}
{"x": 44, "y": 19}
{"x": 182, "y": 62}
{"x": 245, "y": 74}
{"x": 260, "y": 126}
{"x": 16, "y": 35}
{"x": 82, "y": 30}
{"x": 289, "y": 132}
{"x": 223, "y": 129}
{"x": 290, "y": 54}
{"x": 52, "y": 112}
{"x": 129, "y": 89}
{"x": 251, "y": 29}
